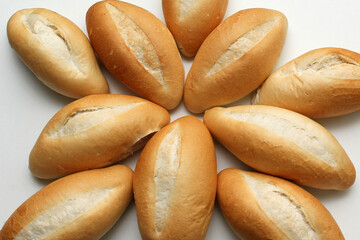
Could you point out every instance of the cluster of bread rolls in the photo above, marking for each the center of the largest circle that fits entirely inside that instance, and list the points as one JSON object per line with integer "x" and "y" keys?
{"x": 175, "y": 181}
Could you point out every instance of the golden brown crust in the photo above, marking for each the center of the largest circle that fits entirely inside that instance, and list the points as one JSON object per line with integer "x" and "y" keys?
{"x": 192, "y": 194}
{"x": 241, "y": 76}
{"x": 249, "y": 220}
{"x": 192, "y": 27}
{"x": 36, "y": 35}
{"x": 121, "y": 60}
{"x": 95, "y": 221}
{"x": 90, "y": 143}
{"x": 292, "y": 146}
{"x": 321, "y": 83}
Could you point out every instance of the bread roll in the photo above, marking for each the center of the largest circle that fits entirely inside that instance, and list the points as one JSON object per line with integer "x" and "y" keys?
{"x": 321, "y": 83}
{"x": 235, "y": 58}
{"x": 258, "y": 206}
{"x": 57, "y": 52}
{"x": 175, "y": 182}
{"x": 82, "y": 206}
{"x": 191, "y": 21}
{"x": 138, "y": 49}
{"x": 282, "y": 143}
{"x": 93, "y": 132}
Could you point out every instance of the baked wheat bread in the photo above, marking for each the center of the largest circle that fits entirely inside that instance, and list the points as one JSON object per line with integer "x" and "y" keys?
{"x": 81, "y": 206}
{"x": 93, "y": 132}
{"x": 321, "y": 83}
{"x": 57, "y": 52}
{"x": 138, "y": 49}
{"x": 191, "y": 21}
{"x": 282, "y": 143}
{"x": 258, "y": 206}
{"x": 235, "y": 58}
{"x": 175, "y": 182}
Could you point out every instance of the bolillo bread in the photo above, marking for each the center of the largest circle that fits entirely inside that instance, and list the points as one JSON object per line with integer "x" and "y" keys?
{"x": 93, "y": 132}
{"x": 321, "y": 83}
{"x": 191, "y": 21}
{"x": 258, "y": 206}
{"x": 138, "y": 49}
{"x": 57, "y": 52}
{"x": 282, "y": 143}
{"x": 81, "y": 206}
{"x": 175, "y": 182}
{"x": 235, "y": 58}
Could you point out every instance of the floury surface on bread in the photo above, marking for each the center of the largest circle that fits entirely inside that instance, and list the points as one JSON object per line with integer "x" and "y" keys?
{"x": 259, "y": 206}
{"x": 57, "y": 52}
{"x": 94, "y": 132}
{"x": 81, "y": 206}
{"x": 321, "y": 83}
{"x": 191, "y": 21}
{"x": 283, "y": 143}
{"x": 235, "y": 58}
{"x": 175, "y": 182}
{"x": 138, "y": 49}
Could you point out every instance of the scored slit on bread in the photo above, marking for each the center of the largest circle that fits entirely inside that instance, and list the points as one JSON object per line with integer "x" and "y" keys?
{"x": 321, "y": 83}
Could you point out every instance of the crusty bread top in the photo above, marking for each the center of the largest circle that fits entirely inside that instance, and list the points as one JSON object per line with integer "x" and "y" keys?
{"x": 175, "y": 182}
{"x": 191, "y": 21}
{"x": 323, "y": 82}
{"x": 73, "y": 202}
{"x": 138, "y": 49}
{"x": 260, "y": 206}
{"x": 57, "y": 51}
{"x": 282, "y": 143}
{"x": 235, "y": 58}
{"x": 90, "y": 111}
{"x": 93, "y": 132}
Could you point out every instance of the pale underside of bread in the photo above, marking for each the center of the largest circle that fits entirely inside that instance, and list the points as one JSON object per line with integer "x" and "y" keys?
{"x": 57, "y": 51}
{"x": 167, "y": 196}
{"x": 69, "y": 208}
{"x": 282, "y": 143}
{"x": 139, "y": 50}
{"x": 321, "y": 83}
{"x": 259, "y": 206}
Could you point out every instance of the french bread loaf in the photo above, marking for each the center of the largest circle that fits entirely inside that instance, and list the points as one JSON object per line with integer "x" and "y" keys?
{"x": 57, "y": 52}
{"x": 235, "y": 58}
{"x": 81, "y": 206}
{"x": 321, "y": 83}
{"x": 175, "y": 182}
{"x": 138, "y": 49}
{"x": 258, "y": 206}
{"x": 191, "y": 21}
{"x": 93, "y": 132}
{"x": 282, "y": 143}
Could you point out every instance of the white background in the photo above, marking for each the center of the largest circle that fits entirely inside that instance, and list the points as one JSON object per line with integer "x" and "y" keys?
{"x": 26, "y": 104}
